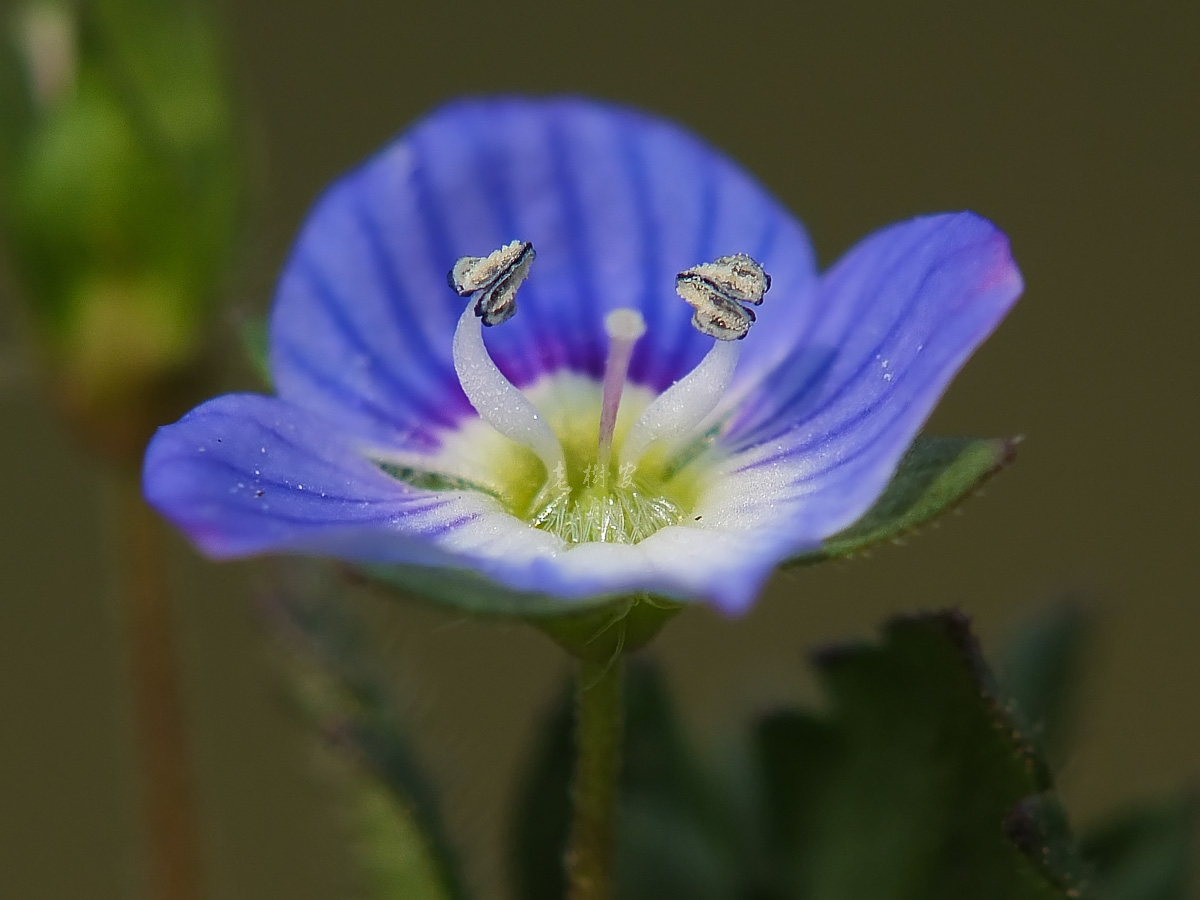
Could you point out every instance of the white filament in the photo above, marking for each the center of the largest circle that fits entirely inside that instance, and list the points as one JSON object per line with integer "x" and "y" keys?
{"x": 496, "y": 399}
{"x": 675, "y": 414}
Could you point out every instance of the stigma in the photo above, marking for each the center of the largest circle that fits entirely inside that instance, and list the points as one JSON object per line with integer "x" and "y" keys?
{"x": 624, "y": 483}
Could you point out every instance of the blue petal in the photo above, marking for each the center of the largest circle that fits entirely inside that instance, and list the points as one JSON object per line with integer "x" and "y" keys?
{"x": 245, "y": 474}
{"x": 614, "y": 201}
{"x": 894, "y": 321}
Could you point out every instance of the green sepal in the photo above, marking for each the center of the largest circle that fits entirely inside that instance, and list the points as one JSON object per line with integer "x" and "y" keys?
{"x": 596, "y": 628}
{"x": 605, "y": 633}
{"x": 934, "y": 476}
{"x": 467, "y": 591}
{"x": 398, "y": 837}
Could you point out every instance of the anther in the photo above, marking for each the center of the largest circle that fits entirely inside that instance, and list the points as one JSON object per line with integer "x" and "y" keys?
{"x": 717, "y": 291}
{"x": 493, "y": 280}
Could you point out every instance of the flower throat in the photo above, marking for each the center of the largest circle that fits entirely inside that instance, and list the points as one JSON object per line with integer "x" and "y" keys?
{"x": 600, "y": 482}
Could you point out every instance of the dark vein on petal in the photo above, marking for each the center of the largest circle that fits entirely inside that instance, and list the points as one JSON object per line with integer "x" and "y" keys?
{"x": 334, "y": 306}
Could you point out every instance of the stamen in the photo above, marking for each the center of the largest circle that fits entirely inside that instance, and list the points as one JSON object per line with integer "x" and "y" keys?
{"x": 493, "y": 280}
{"x": 497, "y": 400}
{"x": 716, "y": 291}
{"x": 675, "y": 413}
{"x": 624, "y": 327}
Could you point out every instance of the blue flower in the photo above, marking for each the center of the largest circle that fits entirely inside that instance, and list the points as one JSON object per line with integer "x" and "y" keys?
{"x": 399, "y": 435}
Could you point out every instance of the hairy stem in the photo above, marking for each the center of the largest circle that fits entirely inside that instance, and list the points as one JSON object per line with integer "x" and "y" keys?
{"x": 168, "y": 810}
{"x": 598, "y": 731}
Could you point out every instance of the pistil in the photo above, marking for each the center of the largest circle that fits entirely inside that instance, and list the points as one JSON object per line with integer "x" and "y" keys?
{"x": 717, "y": 291}
{"x": 624, "y": 327}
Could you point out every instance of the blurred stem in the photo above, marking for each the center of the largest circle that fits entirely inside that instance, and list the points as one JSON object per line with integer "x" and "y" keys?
{"x": 599, "y": 721}
{"x": 169, "y": 814}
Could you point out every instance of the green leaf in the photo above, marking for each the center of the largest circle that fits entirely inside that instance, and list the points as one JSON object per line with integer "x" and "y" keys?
{"x": 1147, "y": 853}
{"x": 391, "y": 850}
{"x": 935, "y": 475}
{"x": 399, "y": 839}
{"x": 254, "y": 340}
{"x": 122, "y": 190}
{"x": 542, "y": 814}
{"x": 1040, "y": 669}
{"x": 916, "y": 785}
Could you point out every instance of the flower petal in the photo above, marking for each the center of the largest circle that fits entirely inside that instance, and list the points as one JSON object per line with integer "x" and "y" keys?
{"x": 245, "y": 474}
{"x": 895, "y": 320}
{"x": 724, "y": 567}
{"x": 615, "y": 202}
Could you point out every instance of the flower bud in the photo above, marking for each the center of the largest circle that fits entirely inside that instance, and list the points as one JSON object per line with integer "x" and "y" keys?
{"x": 120, "y": 196}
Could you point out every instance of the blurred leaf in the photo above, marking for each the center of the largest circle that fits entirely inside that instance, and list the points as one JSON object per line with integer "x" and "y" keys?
{"x": 401, "y": 841}
{"x": 677, "y": 838}
{"x": 1147, "y": 853}
{"x": 916, "y": 785}
{"x": 253, "y": 333}
{"x": 935, "y": 475}
{"x": 1038, "y": 827}
{"x": 795, "y": 751}
{"x": 542, "y": 815}
{"x": 905, "y": 789}
{"x": 389, "y": 846}
{"x": 1040, "y": 671}
{"x": 120, "y": 192}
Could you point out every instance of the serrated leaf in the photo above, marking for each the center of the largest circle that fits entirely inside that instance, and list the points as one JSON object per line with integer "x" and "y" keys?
{"x": 400, "y": 841}
{"x": 935, "y": 475}
{"x": 1038, "y": 827}
{"x": 1147, "y": 853}
{"x": 1040, "y": 669}
{"x": 904, "y": 790}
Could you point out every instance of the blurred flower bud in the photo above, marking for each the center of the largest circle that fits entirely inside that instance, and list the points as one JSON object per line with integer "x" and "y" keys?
{"x": 119, "y": 176}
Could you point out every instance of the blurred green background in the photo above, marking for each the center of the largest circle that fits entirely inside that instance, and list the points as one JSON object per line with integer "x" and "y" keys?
{"x": 1074, "y": 126}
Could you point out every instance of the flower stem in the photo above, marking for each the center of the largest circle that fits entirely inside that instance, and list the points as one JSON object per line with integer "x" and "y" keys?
{"x": 168, "y": 810}
{"x": 599, "y": 718}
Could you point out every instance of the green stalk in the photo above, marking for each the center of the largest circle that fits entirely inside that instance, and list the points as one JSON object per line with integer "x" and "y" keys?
{"x": 161, "y": 746}
{"x": 599, "y": 719}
